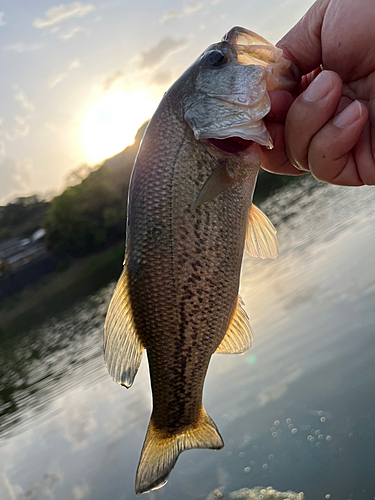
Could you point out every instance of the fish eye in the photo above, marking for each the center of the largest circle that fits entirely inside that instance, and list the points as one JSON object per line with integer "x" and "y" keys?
{"x": 216, "y": 57}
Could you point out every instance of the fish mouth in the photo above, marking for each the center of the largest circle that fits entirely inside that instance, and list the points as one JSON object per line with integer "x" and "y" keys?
{"x": 238, "y": 139}
{"x": 232, "y": 145}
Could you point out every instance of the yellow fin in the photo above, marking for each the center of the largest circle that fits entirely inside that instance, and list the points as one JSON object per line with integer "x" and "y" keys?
{"x": 160, "y": 451}
{"x": 122, "y": 347}
{"x": 261, "y": 239}
{"x": 220, "y": 179}
{"x": 239, "y": 337}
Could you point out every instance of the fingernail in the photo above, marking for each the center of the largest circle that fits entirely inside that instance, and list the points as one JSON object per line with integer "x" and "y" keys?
{"x": 349, "y": 115}
{"x": 319, "y": 87}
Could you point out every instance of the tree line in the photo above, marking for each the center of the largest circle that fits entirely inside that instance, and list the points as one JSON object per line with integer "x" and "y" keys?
{"x": 90, "y": 214}
{"x": 85, "y": 217}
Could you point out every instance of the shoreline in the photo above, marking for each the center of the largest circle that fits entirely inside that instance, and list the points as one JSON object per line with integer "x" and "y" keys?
{"x": 54, "y": 292}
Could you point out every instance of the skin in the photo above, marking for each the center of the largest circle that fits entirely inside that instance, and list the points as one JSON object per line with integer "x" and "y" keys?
{"x": 339, "y": 36}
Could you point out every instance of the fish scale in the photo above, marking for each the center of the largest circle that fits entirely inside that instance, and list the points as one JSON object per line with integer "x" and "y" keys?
{"x": 173, "y": 288}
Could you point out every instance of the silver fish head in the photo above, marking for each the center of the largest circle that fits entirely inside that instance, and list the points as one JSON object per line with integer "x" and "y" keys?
{"x": 230, "y": 90}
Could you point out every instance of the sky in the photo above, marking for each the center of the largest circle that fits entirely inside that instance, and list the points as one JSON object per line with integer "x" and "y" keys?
{"x": 79, "y": 78}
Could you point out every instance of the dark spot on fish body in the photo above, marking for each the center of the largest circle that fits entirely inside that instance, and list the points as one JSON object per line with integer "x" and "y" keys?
{"x": 196, "y": 277}
{"x": 195, "y": 266}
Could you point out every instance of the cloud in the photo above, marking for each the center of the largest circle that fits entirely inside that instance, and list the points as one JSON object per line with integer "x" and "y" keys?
{"x": 14, "y": 177}
{"x": 2, "y": 149}
{"x": 1, "y": 19}
{"x": 74, "y": 64}
{"x": 60, "y": 13}
{"x": 53, "y": 80}
{"x": 71, "y": 33}
{"x": 22, "y": 100}
{"x": 189, "y": 9}
{"x": 112, "y": 79}
{"x": 21, "y": 127}
{"x": 192, "y": 7}
{"x": 275, "y": 392}
{"x": 43, "y": 487}
{"x": 170, "y": 14}
{"x": 161, "y": 78}
{"x": 4, "y": 131}
{"x": 9, "y": 491}
{"x": 23, "y": 47}
{"x": 158, "y": 53}
{"x": 79, "y": 429}
{"x": 81, "y": 492}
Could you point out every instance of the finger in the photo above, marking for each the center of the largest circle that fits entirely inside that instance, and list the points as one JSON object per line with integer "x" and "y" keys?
{"x": 309, "y": 113}
{"x": 281, "y": 101}
{"x": 364, "y": 155}
{"x": 331, "y": 158}
{"x": 302, "y": 44}
{"x": 307, "y": 79}
{"x": 276, "y": 160}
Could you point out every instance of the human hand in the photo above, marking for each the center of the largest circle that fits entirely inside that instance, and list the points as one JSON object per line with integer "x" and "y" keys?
{"x": 329, "y": 128}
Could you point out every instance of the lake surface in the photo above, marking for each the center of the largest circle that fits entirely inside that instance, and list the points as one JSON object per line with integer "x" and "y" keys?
{"x": 297, "y": 411}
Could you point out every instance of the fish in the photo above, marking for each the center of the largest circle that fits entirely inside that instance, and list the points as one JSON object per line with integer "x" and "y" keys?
{"x": 190, "y": 215}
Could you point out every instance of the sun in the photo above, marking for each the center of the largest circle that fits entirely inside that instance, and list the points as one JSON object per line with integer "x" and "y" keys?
{"x": 111, "y": 122}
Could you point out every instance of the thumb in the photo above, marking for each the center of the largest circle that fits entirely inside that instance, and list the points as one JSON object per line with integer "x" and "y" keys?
{"x": 302, "y": 44}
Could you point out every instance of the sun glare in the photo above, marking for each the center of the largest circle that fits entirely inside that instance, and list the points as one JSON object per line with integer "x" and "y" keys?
{"x": 111, "y": 122}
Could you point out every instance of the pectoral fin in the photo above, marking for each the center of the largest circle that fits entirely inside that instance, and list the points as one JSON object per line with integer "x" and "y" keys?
{"x": 220, "y": 179}
{"x": 122, "y": 347}
{"x": 239, "y": 337}
{"x": 261, "y": 240}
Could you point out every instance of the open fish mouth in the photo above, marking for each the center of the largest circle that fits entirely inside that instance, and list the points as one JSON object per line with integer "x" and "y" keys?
{"x": 232, "y": 145}
{"x": 239, "y": 137}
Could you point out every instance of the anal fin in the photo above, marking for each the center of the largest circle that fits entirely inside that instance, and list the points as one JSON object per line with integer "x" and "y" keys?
{"x": 239, "y": 337}
{"x": 122, "y": 346}
{"x": 261, "y": 239}
{"x": 160, "y": 451}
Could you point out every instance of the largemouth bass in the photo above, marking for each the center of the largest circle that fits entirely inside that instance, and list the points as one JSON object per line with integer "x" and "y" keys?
{"x": 190, "y": 213}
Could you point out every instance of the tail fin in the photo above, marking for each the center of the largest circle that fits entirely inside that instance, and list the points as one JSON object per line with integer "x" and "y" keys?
{"x": 160, "y": 453}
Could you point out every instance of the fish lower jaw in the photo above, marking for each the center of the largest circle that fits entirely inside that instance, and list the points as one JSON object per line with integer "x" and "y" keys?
{"x": 236, "y": 139}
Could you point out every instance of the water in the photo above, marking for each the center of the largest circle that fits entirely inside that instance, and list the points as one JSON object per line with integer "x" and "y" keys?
{"x": 296, "y": 412}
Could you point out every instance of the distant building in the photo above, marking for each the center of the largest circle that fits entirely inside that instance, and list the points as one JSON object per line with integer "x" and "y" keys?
{"x": 14, "y": 254}
{"x": 22, "y": 262}
{"x": 9, "y": 248}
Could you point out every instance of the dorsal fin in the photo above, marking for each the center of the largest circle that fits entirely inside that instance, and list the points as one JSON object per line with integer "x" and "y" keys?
{"x": 239, "y": 337}
{"x": 122, "y": 347}
{"x": 261, "y": 239}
